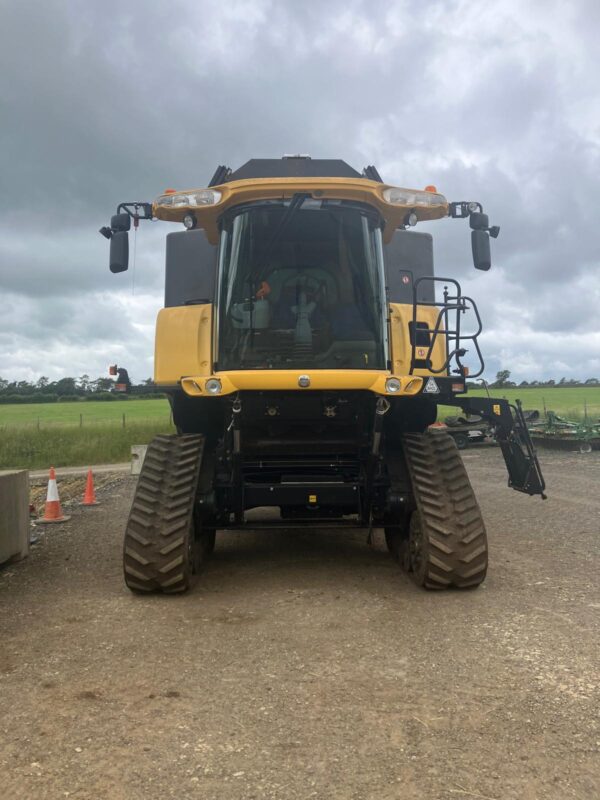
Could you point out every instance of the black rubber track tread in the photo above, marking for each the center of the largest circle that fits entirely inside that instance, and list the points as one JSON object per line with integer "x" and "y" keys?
{"x": 449, "y": 515}
{"x": 156, "y": 552}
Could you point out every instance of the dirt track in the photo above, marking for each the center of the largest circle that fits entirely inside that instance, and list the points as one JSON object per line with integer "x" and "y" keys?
{"x": 307, "y": 666}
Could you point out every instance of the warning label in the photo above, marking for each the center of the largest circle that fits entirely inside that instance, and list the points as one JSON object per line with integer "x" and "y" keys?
{"x": 431, "y": 387}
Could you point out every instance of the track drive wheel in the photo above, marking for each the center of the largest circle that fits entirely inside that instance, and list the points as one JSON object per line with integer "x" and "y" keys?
{"x": 164, "y": 544}
{"x": 447, "y": 542}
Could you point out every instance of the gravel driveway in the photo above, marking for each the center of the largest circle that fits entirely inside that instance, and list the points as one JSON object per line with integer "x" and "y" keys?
{"x": 305, "y": 665}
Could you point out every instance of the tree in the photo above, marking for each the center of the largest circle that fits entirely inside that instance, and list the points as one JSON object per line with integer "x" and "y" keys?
{"x": 502, "y": 378}
{"x": 66, "y": 386}
{"x": 42, "y": 382}
{"x": 84, "y": 383}
{"x": 24, "y": 387}
{"x": 102, "y": 384}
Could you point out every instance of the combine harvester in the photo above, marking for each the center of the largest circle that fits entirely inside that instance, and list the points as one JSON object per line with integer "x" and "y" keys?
{"x": 305, "y": 350}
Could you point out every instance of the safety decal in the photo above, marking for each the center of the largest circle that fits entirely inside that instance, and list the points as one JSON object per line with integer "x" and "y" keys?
{"x": 431, "y": 387}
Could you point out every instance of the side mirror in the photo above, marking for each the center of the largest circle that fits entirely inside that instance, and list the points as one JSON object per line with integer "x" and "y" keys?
{"x": 477, "y": 220}
{"x": 480, "y": 244}
{"x": 119, "y": 250}
{"x": 120, "y": 222}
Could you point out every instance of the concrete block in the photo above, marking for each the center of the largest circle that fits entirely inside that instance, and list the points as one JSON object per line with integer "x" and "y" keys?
{"x": 14, "y": 514}
{"x": 138, "y": 454}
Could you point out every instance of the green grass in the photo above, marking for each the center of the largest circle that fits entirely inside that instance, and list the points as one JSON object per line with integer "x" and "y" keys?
{"x": 60, "y": 438}
{"x": 71, "y": 446}
{"x": 40, "y": 435}
{"x": 569, "y": 402}
{"x": 87, "y": 412}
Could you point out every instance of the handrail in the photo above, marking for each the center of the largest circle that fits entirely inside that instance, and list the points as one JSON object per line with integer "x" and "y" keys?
{"x": 459, "y": 304}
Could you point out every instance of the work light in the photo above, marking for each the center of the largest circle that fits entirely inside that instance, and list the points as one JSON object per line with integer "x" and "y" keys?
{"x": 213, "y": 386}
{"x": 412, "y": 198}
{"x": 193, "y": 199}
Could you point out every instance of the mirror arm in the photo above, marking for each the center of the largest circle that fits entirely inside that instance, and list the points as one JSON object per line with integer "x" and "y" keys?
{"x": 136, "y": 210}
{"x": 461, "y": 209}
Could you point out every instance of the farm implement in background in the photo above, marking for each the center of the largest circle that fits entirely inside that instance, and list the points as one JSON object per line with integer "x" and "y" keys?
{"x": 563, "y": 434}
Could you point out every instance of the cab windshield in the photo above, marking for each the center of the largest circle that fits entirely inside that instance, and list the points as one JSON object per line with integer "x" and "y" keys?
{"x": 300, "y": 286}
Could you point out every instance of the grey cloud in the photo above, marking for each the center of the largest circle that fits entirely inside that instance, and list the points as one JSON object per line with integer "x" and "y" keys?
{"x": 103, "y": 102}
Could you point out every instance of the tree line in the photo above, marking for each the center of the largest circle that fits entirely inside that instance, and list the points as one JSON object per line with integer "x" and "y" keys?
{"x": 503, "y": 381}
{"x": 71, "y": 390}
{"x": 85, "y": 388}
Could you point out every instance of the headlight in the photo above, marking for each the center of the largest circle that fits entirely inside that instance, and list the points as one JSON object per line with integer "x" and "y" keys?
{"x": 213, "y": 386}
{"x": 413, "y": 198}
{"x": 201, "y": 197}
{"x": 392, "y": 385}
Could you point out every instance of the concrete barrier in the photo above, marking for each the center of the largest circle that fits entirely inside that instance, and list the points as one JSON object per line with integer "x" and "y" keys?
{"x": 14, "y": 514}
{"x": 138, "y": 454}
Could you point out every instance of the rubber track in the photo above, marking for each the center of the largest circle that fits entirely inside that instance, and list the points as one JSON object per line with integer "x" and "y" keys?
{"x": 155, "y": 554}
{"x": 451, "y": 521}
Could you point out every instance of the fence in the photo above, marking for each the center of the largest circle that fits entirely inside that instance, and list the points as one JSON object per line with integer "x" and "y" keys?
{"x": 90, "y": 420}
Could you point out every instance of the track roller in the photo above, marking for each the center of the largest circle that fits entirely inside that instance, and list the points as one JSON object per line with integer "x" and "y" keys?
{"x": 164, "y": 544}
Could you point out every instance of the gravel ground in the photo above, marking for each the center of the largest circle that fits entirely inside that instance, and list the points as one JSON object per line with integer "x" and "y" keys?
{"x": 305, "y": 665}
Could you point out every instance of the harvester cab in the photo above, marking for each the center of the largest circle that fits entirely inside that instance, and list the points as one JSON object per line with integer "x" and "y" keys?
{"x": 305, "y": 345}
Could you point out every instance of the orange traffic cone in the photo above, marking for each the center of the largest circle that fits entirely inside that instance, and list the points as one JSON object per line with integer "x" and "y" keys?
{"x": 53, "y": 512}
{"x": 89, "y": 498}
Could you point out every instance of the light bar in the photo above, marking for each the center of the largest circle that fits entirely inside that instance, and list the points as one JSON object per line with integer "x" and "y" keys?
{"x": 413, "y": 198}
{"x": 193, "y": 199}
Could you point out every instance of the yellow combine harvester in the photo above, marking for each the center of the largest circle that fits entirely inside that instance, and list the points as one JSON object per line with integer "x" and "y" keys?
{"x": 304, "y": 350}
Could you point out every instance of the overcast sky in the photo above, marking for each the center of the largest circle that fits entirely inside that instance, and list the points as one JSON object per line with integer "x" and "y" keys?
{"x": 106, "y": 101}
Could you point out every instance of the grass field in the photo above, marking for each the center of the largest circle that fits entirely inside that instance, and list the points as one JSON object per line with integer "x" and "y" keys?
{"x": 38, "y": 436}
{"x": 571, "y": 402}
{"x": 88, "y": 412}
{"x": 71, "y": 446}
